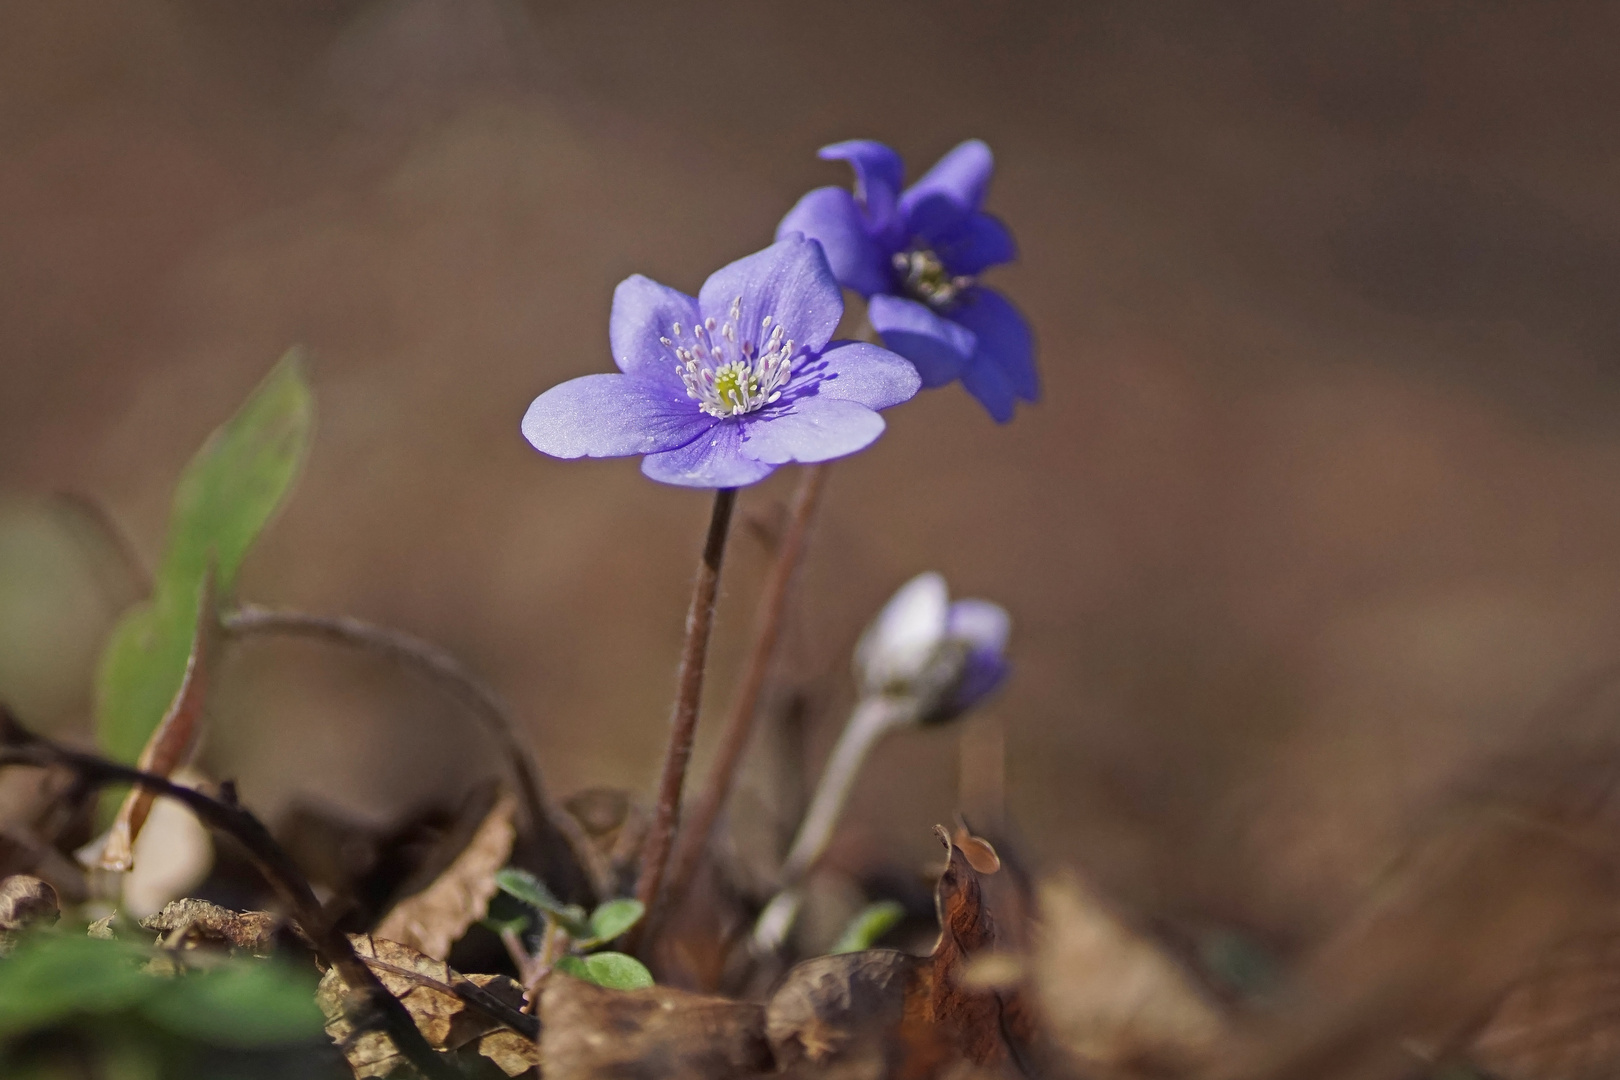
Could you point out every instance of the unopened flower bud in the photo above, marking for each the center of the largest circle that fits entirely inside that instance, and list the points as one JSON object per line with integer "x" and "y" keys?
{"x": 941, "y": 658}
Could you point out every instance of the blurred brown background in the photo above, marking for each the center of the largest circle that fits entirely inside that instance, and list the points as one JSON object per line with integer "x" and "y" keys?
{"x": 1321, "y": 511}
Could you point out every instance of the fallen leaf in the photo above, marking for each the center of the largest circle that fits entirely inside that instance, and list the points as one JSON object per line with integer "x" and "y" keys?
{"x": 174, "y": 739}
{"x": 26, "y": 901}
{"x": 1113, "y": 1000}
{"x": 1563, "y": 1023}
{"x": 591, "y": 1033}
{"x": 428, "y": 988}
{"x": 435, "y": 918}
{"x": 846, "y": 1012}
{"x": 986, "y": 1024}
{"x": 251, "y": 931}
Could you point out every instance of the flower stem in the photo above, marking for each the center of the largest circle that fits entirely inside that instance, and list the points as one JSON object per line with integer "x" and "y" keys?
{"x": 694, "y": 838}
{"x": 873, "y": 718}
{"x": 564, "y": 847}
{"x": 683, "y": 718}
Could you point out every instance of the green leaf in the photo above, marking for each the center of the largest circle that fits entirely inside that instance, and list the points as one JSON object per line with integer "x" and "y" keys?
{"x": 532, "y": 891}
{"x": 247, "y": 1003}
{"x": 614, "y": 970}
{"x": 226, "y": 496}
{"x": 614, "y": 918}
{"x": 872, "y": 923}
{"x": 52, "y": 977}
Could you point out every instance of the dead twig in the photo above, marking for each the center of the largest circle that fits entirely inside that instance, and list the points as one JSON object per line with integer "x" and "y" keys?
{"x": 572, "y": 867}
{"x": 22, "y": 747}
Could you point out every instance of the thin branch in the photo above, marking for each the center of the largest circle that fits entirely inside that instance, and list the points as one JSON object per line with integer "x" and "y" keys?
{"x": 331, "y": 945}
{"x": 573, "y": 867}
{"x": 693, "y": 841}
{"x": 469, "y": 994}
{"x": 683, "y": 719}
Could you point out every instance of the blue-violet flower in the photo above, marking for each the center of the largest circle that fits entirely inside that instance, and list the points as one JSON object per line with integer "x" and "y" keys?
{"x": 720, "y": 389}
{"x": 916, "y": 255}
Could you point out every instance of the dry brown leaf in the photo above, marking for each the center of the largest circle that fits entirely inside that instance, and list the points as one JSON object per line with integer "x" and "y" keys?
{"x": 1482, "y": 904}
{"x": 1111, "y": 999}
{"x": 426, "y": 987}
{"x": 172, "y": 742}
{"x": 434, "y": 919}
{"x": 843, "y": 1015}
{"x": 592, "y": 1033}
{"x": 1561, "y": 1024}
{"x": 250, "y": 931}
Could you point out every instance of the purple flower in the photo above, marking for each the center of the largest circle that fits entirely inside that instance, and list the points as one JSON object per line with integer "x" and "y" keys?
{"x": 719, "y": 390}
{"x": 942, "y": 657}
{"x": 916, "y": 256}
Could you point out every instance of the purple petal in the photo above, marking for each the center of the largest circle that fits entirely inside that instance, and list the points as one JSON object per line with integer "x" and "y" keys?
{"x": 973, "y": 244}
{"x": 790, "y": 281}
{"x": 879, "y": 173}
{"x": 611, "y": 416}
{"x": 811, "y": 428}
{"x": 961, "y": 176}
{"x": 937, "y": 346}
{"x": 862, "y": 373}
{"x": 1004, "y": 338}
{"x": 985, "y": 381}
{"x": 829, "y": 215}
{"x": 715, "y": 460}
{"x": 643, "y": 312}
{"x": 984, "y": 627}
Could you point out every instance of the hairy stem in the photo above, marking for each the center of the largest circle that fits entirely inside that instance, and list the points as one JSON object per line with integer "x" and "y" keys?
{"x": 271, "y": 860}
{"x": 683, "y": 718}
{"x": 694, "y": 837}
{"x": 571, "y": 867}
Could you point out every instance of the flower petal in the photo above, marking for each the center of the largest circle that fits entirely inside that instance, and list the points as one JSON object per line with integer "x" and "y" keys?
{"x": 809, "y": 429}
{"x": 790, "y": 281}
{"x": 715, "y": 460}
{"x": 961, "y": 176}
{"x": 879, "y": 173}
{"x": 973, "y": 244}
{"x": 829, "y": 215}
{"x": 902, "y": 640}
{"x": 1003, "y": 338}
{"x": 643, "y": 312}
{"x": 984, "y": 627}
{"x": 985, "y": 381}
{"x": 611, "y": 416}
{"x": 937, "y": 346}
{"x": 863, "y": 373}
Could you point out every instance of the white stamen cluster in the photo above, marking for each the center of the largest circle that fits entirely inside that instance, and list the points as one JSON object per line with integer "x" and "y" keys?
{"x": 728, "y": 376}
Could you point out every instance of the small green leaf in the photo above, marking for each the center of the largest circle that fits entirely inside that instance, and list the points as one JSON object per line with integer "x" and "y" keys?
{"x": 226, "y": 496}
{"x": 614, "y": 918}
{"x": 614, "y": 970}
{"x": 54, "y": 976}
{"x": 532, "y": 891}
{"x": 872, "y": 923}
{"x": 247, "y": 1003}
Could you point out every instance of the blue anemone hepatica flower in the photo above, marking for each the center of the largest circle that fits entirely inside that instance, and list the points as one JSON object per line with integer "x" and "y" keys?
{"x": 719, "y": 389}
{"x": 916, "y": 255}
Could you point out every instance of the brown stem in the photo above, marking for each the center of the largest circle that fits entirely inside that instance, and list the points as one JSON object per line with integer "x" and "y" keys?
{"x": 571, "y": 866}
{"x": 694, "y": 838}
{"x": 683, "y": 718}
{"x": 271, "y": 860}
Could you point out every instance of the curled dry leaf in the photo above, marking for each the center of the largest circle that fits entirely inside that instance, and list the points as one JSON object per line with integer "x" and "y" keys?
{"x": 27, "y": 901}
{"x": 435, "y": 918}
{"x": 172, "y": 741}
{"x": 846, "y": 1014}
{"x": 1111, "y": 999}
{"x": 1484, "y": 901}
{"x": 250, "y": 931}
{"x": 592, "y": 1033}
{"x": 1563, "y": 1023}
{"x": 436, "y": 997}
